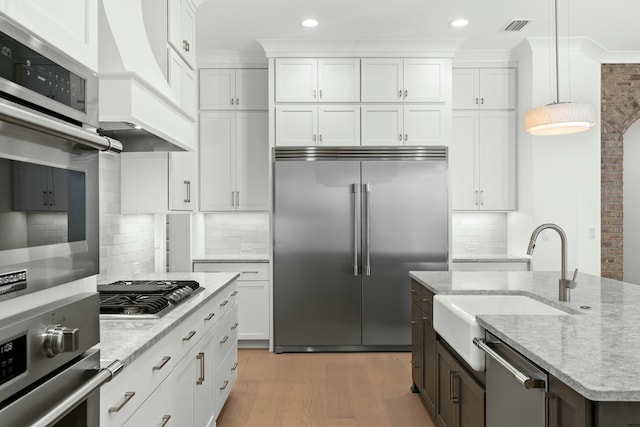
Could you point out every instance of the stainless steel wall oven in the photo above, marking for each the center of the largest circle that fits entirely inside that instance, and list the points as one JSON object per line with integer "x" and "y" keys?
{"x": 49, "y": 366}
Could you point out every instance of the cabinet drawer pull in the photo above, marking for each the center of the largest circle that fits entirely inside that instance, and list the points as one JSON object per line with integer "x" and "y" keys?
{"x": 235, "y": 325}
{"x": 413, "y": 322}
{"x": 231, "y": 101}
{"x": 234, "y": 293}
{"x": 400, "y": 94}
{"x": 476, "y": 101}
{"x": 237, "y": 101}
{"x": 314, "y": 94}
{"x": 127, "y": 397}
{"x": 482, "y": 101}
{"x": 235, "y": 366}
{"x": 162, "y": 363}
{"x": 223, "y": 303}
{"x": 320, "y": 93}
{"x": 454, "y": 398}
{"x": 413, "y": 291}
{"x": 406, "y": 93}
{"x": 250, "y": 272}
{"x": 400, "y": 137}
{"x": 185, "y": 45}
{"x": 224, "y": 385}
{"x": 225, "y": 339}
{"x": 209, "y": 316}
{"x": 189, "y": 336}
{"x": 200, "y": 357}
{"x": 165, "y": 420}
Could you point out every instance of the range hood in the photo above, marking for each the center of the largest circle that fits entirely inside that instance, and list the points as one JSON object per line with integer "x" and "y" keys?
{"x": 137, "y": 105}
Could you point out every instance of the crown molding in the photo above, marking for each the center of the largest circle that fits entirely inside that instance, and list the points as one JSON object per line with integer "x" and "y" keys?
{"x": 231, "y": 59}
{"x": 280, "y": 48}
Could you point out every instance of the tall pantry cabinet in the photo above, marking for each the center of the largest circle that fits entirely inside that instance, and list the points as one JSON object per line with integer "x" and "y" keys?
{"x": 482, "y": 151}
{"x": 234, "y": 149}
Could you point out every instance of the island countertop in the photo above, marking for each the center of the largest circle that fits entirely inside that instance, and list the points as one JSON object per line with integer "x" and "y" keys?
{"x": 126, "y": 340}
{"x": 595, "y": 350}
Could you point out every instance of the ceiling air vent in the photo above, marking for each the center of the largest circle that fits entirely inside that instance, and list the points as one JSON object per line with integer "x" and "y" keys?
{"x": 517, "y": 24}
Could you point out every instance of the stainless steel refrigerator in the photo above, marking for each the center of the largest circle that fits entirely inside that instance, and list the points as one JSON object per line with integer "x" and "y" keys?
{"x": 349, "y": 225}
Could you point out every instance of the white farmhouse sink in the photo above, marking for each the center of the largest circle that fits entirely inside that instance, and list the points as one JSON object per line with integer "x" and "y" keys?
{"x": 454, "y": 318}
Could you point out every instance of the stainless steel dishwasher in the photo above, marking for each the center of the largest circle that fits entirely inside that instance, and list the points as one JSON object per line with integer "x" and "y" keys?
{"x": 515, "y": 387}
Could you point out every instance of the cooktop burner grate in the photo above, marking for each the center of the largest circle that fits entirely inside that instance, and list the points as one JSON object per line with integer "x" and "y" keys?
{"x": 143, "y": 298}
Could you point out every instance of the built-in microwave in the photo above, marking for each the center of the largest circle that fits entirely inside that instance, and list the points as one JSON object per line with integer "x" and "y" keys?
{"x": 48, "y": 165}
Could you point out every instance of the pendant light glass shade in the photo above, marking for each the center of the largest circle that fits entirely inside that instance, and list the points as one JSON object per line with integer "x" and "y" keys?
{"x": 559, "y": 119}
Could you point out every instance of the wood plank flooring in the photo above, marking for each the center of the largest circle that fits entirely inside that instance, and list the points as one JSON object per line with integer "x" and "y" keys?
{"x": 323, "y": 390}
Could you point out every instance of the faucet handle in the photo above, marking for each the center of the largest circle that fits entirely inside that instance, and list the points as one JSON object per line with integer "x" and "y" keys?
{"x": 572, "y": 283}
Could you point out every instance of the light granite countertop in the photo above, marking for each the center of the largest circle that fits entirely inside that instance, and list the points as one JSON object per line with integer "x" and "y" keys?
{"x": 596, "y": 350}
{"x": 239, "y": 257}
{"x": 491, "y": 258}
{"x": 125, "y": 340}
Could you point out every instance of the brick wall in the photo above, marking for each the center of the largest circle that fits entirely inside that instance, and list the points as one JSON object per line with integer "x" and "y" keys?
{"x": 620, "y": 109}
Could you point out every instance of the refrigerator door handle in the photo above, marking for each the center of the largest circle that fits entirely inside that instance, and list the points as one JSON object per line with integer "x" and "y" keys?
{"x": 355, "y": 191}
{"x": 367, "y": 189}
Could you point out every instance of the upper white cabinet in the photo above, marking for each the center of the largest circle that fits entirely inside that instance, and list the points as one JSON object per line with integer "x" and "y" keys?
{"x": 405, "y": 80}
{"x": 157, "y": 182}
{"x": 317, "y": 80}
{"x": 72, "y": 27}
{"x": 482, "y": 157}
{"x": 327, "y": 125}
{"x": 233, "y": 89}
{"x": 182, "y": 25}
{"x": 183, "y": 83}
{"x": 484, "y": 88}
{"x": 396, "y": 124}
{"x": 234, "y": 161}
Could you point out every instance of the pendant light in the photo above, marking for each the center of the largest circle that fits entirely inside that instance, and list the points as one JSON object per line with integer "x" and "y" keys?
{"x": 559, "y": 118}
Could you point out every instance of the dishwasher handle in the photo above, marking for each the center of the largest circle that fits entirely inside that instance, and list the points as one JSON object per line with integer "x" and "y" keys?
{"x": 526, "y": 381}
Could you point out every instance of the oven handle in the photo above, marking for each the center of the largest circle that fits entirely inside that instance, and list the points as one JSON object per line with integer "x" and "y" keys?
{"x": 526, "y": 381}
{"x": 79, "y": 395}
{"x": 22, "y": 117}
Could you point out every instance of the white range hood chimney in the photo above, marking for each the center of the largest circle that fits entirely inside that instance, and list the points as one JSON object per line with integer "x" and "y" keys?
{"x": 136, "y": 103}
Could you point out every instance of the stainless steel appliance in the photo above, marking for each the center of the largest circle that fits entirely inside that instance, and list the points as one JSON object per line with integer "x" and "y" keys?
{"x": 143, "y": 299}
{"x": 349, "y": 224}
{"x": 515, "y": 387}
{"x": 49, "y": 370}
{"x": 48, "y": 166}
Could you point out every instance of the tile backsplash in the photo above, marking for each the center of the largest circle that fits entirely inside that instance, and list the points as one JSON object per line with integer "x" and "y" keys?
{"x": 238, "y": 232}
{"x": 479, "y": 234}
{"x": 127, "y": 242}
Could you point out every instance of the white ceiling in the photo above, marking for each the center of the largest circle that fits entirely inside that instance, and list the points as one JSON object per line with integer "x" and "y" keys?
{"x": 234, "y": 25}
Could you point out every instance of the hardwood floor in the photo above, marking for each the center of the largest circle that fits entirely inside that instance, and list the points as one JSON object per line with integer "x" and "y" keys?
{"x": 323, "y": 390}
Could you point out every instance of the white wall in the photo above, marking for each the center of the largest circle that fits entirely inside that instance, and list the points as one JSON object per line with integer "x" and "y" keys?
{"x": 631, "y": 178}
{"x": 558, "y": 176}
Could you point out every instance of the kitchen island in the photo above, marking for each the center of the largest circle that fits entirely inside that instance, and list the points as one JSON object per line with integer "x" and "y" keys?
{"x": 179, "y": 367}
{"x": 595, "y": 350}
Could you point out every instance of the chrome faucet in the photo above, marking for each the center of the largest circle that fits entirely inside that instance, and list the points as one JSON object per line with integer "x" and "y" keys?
{"x": 564, "y": 284}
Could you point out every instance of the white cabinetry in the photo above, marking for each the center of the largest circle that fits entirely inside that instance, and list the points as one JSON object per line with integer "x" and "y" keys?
{"x": 396, "y": 124}
{"x": 233, "y": 89}
{"x": 234, "y": 157}
{"x": 182, "y": 24}
{"x": 175, "y": 382}
{"x": 328, "y": 125}
{"x": 317, "y": 80}
{"x": 482, "y": 158}
{"x": 484, "y": 88}
{"x": 405, "y": 80}
{"x": 253, "y": 295}
{"x": 72, "y": 27}
{"x": 157, "y": 182}
{"x": 183, "y": 83}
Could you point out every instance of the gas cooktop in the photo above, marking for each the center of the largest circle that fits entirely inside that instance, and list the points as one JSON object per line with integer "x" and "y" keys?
{"x": 143, "y": 299}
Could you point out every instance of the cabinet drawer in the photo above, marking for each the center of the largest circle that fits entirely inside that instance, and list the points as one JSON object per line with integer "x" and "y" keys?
{"x": 121, "y": 397}
{"x": 226, "y": 334}
{"x": 226, "y": 376}
{"x": 156, "y": 411}
{"x": 427, "y": 302}
{"x": 226, "y": 299}
{"x": 249, "y": 271}
{"x": 416, "y": 292}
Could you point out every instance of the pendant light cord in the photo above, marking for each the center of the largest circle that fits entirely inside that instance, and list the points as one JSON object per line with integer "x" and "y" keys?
{"x": 555, "y": 18}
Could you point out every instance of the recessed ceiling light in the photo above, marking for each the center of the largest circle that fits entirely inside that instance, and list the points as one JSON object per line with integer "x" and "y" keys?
{"x": 309, "y": 23}
{"x": 137, "y": 127}
{"x": 459, "y": 22}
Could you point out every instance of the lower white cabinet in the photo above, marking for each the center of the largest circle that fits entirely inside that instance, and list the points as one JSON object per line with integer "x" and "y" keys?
{"x": 157, "y": 182}
{"x": 396, "y": 124}
{"x": 184, "y": 379}
{"x": 253, "y": 296}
